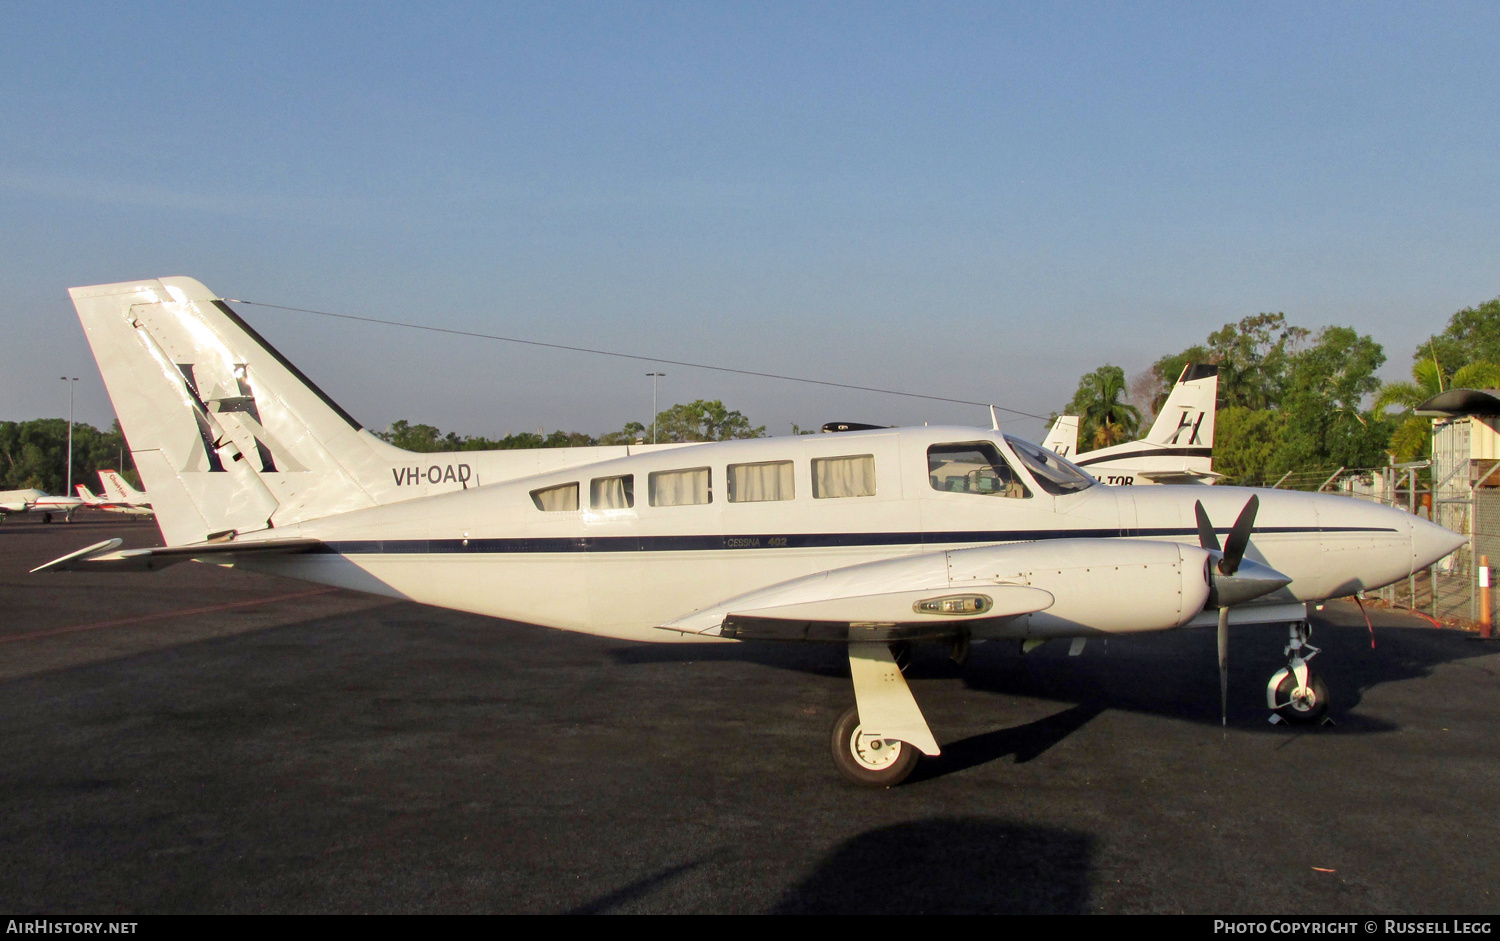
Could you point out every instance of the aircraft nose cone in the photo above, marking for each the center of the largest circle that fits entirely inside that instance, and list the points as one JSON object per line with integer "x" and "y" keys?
{"x": 1430, "y": 542}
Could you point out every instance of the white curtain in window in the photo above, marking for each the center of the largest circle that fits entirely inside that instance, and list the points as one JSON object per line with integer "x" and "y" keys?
{"x": 844, "y": 476}
{"x": 612, "y": 493}
{"x": 680, "y": 487}
{"x": 554, "y": 499}
{"x": 755, "y": 483}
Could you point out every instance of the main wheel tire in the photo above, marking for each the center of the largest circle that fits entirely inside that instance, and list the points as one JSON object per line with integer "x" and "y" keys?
{"x": 883, "y": 763}
{"x": 1302, "y": 710}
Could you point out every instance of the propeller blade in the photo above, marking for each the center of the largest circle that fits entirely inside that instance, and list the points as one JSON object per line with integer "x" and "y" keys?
{"x": 1239, "y": 537}
{"x": 1224, "y": 666}
{"x": 1207, "y": 538}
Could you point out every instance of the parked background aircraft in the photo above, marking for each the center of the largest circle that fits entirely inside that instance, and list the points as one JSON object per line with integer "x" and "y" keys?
{"x": 14, "y": 502}
{"x": 1178, "y": 449}
{"x": 96, "y": 502}
{"x": 124, "y": 497}
{"x": 868, "y": 539}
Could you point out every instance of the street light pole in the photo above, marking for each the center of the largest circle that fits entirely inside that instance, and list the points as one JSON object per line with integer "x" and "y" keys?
{"x": 654, "y": 376}
{"x": 69, "y": 491}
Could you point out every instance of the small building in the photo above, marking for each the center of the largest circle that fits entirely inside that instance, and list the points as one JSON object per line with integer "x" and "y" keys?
{"x": 1466, "y": 464}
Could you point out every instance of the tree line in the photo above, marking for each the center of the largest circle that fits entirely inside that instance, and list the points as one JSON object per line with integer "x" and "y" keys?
{"x": 34, "y": 454}
{"x": 1296, "y": 399}
{"x": 701, "y": 420}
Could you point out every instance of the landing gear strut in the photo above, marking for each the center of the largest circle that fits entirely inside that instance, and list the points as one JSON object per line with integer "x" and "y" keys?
{"x": 876, "y": 742}
{"x": 1294, "y": 694}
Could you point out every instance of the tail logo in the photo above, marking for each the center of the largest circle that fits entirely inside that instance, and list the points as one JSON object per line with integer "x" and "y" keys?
{"x": 1188, "y": 424}
{"x": 239, "y": 403}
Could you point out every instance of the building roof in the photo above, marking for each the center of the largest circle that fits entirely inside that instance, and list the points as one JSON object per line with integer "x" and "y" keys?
{"x": 1456, "y": 402}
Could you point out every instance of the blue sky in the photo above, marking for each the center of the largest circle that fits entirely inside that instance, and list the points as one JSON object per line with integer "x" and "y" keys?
{"x": 979, "y": 201}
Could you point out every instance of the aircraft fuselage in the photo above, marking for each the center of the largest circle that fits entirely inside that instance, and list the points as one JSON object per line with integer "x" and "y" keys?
{"x": 625, "y": 570}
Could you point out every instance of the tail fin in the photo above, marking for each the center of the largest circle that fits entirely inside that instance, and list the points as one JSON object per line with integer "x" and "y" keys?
{"x": 1062, "y": 437}
{"x": 117, "y": 489}
{"x": 228, "y": 436}
{"x": 87, "y": 495}
{"x": 1186, "y": 419}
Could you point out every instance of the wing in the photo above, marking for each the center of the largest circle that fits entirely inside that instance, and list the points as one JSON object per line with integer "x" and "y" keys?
{"x": 108, "y": 556}
{"x": 1065, "y": 587}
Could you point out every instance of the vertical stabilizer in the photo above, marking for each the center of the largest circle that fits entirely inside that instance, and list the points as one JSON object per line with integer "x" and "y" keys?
{"x": 1062, "y": 437}
{"x": 228, "y": 436}
{"x": 1186, "y": 419}
{"x": 119, "y": 490}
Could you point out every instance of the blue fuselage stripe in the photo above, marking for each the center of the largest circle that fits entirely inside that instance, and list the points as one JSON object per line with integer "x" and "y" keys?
{"x": 734, "y": 542}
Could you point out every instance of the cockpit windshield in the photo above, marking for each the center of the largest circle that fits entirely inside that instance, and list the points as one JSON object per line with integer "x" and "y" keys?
{"x": 1053, "y": 474}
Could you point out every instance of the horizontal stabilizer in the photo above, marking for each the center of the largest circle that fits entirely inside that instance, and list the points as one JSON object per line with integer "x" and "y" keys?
{"x": 108, "y": 556}
{"x": 1180, "y": 477}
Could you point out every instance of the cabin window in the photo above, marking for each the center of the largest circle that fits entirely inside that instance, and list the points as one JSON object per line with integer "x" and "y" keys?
{"x": 612, "y": 493}
{"x": 556, "y": 499}
{"x": 759, "y": 483}
{"x": 852, "y": 476}
{"x": 972, "y": 468}
{"x": 689, "y": 487}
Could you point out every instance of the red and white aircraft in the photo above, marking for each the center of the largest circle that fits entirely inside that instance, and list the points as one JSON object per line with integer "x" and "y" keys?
{"x": 95, "y": 502}
{"x": 13, "y": 502}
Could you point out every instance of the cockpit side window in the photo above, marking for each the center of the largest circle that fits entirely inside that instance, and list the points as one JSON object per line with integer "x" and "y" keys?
{"x": 1053, "y": 474}
{"x": 974, "y": 467}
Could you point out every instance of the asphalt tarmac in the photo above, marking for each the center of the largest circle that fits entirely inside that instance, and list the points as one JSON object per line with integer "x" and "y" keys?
{"x": 205, "y": 740}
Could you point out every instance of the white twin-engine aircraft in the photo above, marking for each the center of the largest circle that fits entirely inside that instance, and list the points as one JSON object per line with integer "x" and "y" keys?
{"x": 1179, "y": 448}
{"x": 38, "y": 501}
{"x": 871, "y": 539}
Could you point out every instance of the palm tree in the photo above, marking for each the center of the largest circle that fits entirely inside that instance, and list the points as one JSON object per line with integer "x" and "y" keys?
{"x": 1106, "y": 420}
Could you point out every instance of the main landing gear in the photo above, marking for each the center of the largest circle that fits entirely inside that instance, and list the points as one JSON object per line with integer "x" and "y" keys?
{"x": 1294, "y": 693}
{"x": 876, "y": 742}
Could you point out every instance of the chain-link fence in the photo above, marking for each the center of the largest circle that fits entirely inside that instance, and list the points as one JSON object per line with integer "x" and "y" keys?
{"x": 1449, "y": 590}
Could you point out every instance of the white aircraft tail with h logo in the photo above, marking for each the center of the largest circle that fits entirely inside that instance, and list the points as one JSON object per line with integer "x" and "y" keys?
{"x": 227, "y": 435}
{"x": 1062, "y": 437}
{"x": 1178, "y": 448}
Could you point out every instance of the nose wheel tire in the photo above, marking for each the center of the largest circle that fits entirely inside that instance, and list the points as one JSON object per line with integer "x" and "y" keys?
{"x": 866, "y": 761}
{"x": 1309, "y": 708}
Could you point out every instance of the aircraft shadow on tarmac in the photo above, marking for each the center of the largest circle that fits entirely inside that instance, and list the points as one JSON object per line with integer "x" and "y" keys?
{"x": 949, "y": 865}
{"x": 1170, "y": 674}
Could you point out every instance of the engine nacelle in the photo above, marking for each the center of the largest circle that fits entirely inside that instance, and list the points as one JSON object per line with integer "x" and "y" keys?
{"x": 1109, "y": 586}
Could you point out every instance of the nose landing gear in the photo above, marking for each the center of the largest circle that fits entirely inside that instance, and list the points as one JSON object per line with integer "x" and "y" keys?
{"x": 1294, "y": 693}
